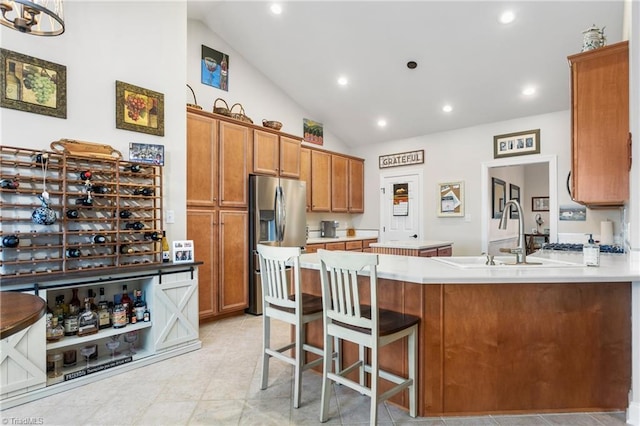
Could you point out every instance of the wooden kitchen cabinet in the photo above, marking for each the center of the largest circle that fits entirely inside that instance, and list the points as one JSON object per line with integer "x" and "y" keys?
{"x": 367, "y": 243}
{"x": 601, "y": 142}
{"x": 276, "y": 155}
{"x": 339, "y": 245}
{"x": 356, "y": 186}
{"x": 320, "y": 181}
{"x": 313, "y": 248}
{"x": 305, "y": 172}
{"x": 353, "y": 245}
{"x": 217, "y": 153}
{"x": 339, "y": 183}
{"x": 221, "y": 240}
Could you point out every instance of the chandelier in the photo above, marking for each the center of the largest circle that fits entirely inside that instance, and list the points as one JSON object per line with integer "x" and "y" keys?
{"x": 37, "y": 17}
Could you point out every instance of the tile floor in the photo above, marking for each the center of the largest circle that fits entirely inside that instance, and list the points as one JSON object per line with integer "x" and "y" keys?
{"x": 220, "y": 385}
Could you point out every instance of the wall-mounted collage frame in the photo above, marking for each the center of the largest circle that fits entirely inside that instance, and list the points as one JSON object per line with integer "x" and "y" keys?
{"x": 451, "y": 199}
{"x": 519, "y": 143}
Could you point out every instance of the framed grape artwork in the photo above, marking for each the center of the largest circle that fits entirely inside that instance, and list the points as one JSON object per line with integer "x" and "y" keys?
{"x": 139, "y": 110}
{"x": 32, "y": 84}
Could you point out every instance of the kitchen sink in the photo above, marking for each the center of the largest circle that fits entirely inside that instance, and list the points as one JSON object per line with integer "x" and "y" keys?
{"x": 468, "y": 262}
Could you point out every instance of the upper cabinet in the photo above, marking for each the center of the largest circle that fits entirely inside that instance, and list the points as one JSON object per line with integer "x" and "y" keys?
{"x": 339, "y": 183}
{"x": 601, "y": 142}
{"x": 217, "y": 153}
{"x": 356, "y": 185}
{"x": 320, "y": 181}
{"x": 276, "y": 155}
{"x": 305, "y": 172}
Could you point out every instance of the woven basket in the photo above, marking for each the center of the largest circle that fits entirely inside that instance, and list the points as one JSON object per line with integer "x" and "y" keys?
{"x": 276, "y": 125}
{"x": 221, "y": 110}
{"x": 240, "y": 115}
{"x": 194, "y": 105}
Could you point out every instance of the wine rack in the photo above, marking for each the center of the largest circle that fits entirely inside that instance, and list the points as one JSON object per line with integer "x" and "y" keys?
{"x": 88, "y": 196}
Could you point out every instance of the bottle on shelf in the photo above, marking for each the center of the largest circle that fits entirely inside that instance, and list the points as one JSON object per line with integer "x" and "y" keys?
{"x": 139, "y": 307}
{"x": 13, "y": 84}
{"x": 125, "y": 214}
{"x": 99, "y": 189}
{"x": 91, "y": 296}
{"x": 58, "y": 310}
{"x": 144, "y": 190}
{"x": 137, "y": 226}
{"x": 84, "y": 201}
{"x": 9, "y": 183}
{"x": 126, "y": 301}
{"x": 166, "y": 255}
{"x": 73, "y": 252}
{"x": 88, "y": 320}
{"x": 119, "y": 316}
{"x": 73, "y": 214}
{"x": 74, "y": 303}
{"x": 125, "y": 249}
{"x": 134, "y": 168}
{"x": 86, "y": 175}
{"x": 71, "y": 325}
{"x": 55, "y": 331}
{"x": 154, "y": 236}
{"x": 104, "y": 316}
{"x": 99, "y": 239}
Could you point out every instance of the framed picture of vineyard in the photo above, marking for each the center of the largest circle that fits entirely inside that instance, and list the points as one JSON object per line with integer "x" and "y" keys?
{"x": 139, "y": 110}
{"x": 32, "y": 84}
{"x": 312, "y": 131}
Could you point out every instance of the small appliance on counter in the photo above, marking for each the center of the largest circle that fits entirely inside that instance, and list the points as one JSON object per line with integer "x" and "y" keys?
{"x": 328, "y": 228}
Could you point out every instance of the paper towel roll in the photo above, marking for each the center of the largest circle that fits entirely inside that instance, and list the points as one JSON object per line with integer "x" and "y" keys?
{"x": 606, "y": 232}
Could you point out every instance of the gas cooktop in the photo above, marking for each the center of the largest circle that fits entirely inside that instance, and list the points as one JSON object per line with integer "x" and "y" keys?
{"x": 578, "y": 247}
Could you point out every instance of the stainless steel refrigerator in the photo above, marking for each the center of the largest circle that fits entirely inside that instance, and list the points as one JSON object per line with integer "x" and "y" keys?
{"x": 277, "y": 216}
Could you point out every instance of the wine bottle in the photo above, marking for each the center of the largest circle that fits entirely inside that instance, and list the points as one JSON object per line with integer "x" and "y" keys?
{"x": 135, "y": 225}
{"x": 73, "y": 214}
{"x": 124, "y": 249}
{"x": 143, "y": 190}
{"x": 155, "y": 236}
{"x": 13, "y": 84}
{"x": 99, "y": 239}
{"x": 125, "y": 214}
{"x": 86, "y": 175}
{"x": 166, "y": 256}
{"x": 99, "y": 189}
{"x": 134, "y": 168}
{"x": 9, "y": 183}
{"x": 74, "y": 253}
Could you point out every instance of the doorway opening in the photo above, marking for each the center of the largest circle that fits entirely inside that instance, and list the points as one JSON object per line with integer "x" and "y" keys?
{"x": 488, "y": 168}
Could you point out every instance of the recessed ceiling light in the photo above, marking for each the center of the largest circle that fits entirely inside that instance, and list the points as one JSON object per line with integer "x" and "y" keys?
{"x": 343, "y": 81}
{"x": 507, "y": 17}
{"x": 528, "y": 91}
{"x": 412, "y": 65}
{"x": 382, "y": 123}
{"x": 276, "y": 9}
{"x": 447, "y": 108}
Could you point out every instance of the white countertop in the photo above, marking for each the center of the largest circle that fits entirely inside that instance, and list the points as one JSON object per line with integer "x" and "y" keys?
{"x": 412, "y": 244}
{"x": 424, "y": 270}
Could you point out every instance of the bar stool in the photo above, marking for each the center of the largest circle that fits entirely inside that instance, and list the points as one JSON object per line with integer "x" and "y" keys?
{"x": 296, "y": 309}
{"x": 345, "y": 318}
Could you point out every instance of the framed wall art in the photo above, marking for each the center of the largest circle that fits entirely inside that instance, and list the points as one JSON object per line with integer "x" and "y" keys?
{"x": 183, "y": 251}
{"x": 146, "y": 153}
{"x": 540, "y": 204}
{"x": 312, "y": 131}
{"x": 214, "y": 68}
{"x": 139, "y": 110}
{"x": 451, "y": 199}
{"x": 33, "y": 85}
{"x": 520, "y": 143}
{"x": 514, "y": 194}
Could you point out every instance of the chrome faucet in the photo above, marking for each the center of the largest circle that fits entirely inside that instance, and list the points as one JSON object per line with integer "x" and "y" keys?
{"x": 521, "y": 250}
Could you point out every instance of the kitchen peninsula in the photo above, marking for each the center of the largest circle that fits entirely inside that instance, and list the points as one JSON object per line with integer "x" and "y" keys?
{"x": 509, "y": 339}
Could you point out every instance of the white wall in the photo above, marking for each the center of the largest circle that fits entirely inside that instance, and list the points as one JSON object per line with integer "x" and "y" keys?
{"x": 107, "y": 41}
{"x": 260, "y": 98}
{"x": 457, "y": 155}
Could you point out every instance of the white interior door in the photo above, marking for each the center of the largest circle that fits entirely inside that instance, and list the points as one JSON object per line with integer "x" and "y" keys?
{"x": 401, "y": 216}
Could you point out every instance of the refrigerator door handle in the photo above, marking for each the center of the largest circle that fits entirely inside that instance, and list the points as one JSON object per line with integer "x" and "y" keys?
{"x": 281, "y": 215}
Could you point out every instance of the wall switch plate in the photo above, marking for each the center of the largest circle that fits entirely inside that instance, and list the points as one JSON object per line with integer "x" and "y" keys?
{"x": 170, "y": 216}
{"x": 467, "y": 217}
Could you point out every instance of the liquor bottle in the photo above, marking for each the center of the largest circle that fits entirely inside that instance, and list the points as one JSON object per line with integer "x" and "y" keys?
{"x": 91, "y": 296}
{"x": 74, "y": 304}
{"x": 139, "y": 307}
{"x": 126, "y": 301}
{"x": 166, "y": 256}
{"x": 58, "y": 310}
{"x": 88, "y": 320}
{"x": 104, "y": 316}
{"x": 55, "y": 331}
{"x": 119, "y": 316}
{"x": 13, "y": 84}
{"x": 125, "y": 214}
{"x": 138, "y": 226}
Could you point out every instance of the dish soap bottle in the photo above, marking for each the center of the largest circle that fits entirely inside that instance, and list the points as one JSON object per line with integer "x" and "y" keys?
{"x": 591, "y": 252}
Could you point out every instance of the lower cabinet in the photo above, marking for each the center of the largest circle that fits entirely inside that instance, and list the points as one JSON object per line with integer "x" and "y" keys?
{"x": 349, "y": 245}
{"x": 221, "y": 242}
{"x": 32, "y": 367}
